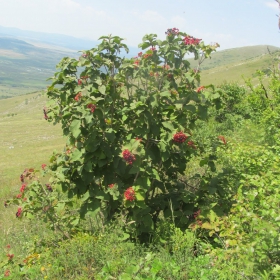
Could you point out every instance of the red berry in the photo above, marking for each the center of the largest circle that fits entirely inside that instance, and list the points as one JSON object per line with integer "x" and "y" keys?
{"x": 129, "y": 194}
{"x": 180, "y": 137}
{"x": 128, "y": 156}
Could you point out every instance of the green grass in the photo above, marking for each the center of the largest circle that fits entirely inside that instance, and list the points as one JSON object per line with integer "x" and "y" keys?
{"x": 235, "y": 72}
{"x": 26, "y": 139}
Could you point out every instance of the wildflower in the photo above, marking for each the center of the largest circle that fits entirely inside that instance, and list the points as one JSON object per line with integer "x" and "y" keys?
{"x": 18, "y": 213}
{"x": 179, "y": 137}
{"x": 199, "y": 89}
{"x": 91, "y": 107}
{"x": 78, "y": 96}
{"x": 128, "y": 156}
{"x": 43, "y": 166}
{"x": 222, "y": 139}
{"x": 22, "y": 188}
{"x": 129, "y": 194}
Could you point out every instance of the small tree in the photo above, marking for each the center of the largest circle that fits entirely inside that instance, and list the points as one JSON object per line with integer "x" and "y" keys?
{"x": 129, "y": 125}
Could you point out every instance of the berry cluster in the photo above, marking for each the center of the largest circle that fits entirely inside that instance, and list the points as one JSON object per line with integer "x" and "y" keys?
{"x": 78, "y": 96}
{"x": 172, "y": 31}
{"x": 22, "y": 178}
{"x": 91, "y": 107}
{"x": 199, "y": 89}
{"x": 189, "y": 40}
{"x": 129, "y": 194}
{"x": 23, "y": 186}
{"x": 180, "y": 137}
{"x": 18, "y": 213}
{"x": 128, "y": 156}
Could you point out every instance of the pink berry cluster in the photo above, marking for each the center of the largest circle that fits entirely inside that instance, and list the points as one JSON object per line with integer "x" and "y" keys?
{"x": 78, "y": 96}
{"x": 172, "y": 31}
{"x": 189, "y": 40}
{"x": 129, "y": 194}
{"x": 128, "y": 156}
{"x": 18, "y": 213}
{"x": 180, "y": 137}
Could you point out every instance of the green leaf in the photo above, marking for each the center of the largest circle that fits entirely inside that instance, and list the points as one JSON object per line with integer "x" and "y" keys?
{"x": 102, "y": 89}
{"x": 75, "y": 128}
{"x": 168, "y": 125}
{"x": 76, "y": 155}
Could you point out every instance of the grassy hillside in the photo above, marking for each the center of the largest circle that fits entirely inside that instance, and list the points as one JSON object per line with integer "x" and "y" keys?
{"x": 235, "y": 71}
{"x": 26, "y": 139}
{"x": 24, "y": 67}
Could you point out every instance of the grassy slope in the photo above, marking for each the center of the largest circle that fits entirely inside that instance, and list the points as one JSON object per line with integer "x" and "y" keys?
{"x": 26, "y": 139}
{"x": 230, "y": 65}
{"x": 234, "y": 72}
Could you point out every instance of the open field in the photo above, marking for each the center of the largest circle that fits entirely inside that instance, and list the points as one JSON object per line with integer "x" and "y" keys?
{"x": 235, "y": 71}
{"x": 26, "y": 139}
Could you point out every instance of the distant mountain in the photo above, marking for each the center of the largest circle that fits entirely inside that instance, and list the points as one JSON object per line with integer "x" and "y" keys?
{"x": 24, "y": 67}
{"x": 64, "y": 41}
{"x": 55, "y": 40}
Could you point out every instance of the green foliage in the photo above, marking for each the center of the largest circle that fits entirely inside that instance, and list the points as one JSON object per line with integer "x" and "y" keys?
{"x": 105, "y": 256}
{"x": 247, "y": 236}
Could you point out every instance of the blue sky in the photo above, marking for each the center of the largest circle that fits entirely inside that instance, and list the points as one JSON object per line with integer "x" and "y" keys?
{"x": 231, "y": 23}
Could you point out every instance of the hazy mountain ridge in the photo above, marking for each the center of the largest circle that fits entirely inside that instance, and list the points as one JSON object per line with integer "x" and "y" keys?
{"x": 25, "y": 68}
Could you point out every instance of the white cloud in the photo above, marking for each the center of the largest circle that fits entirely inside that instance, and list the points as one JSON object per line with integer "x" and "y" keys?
{"x": 272, "y": 5}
